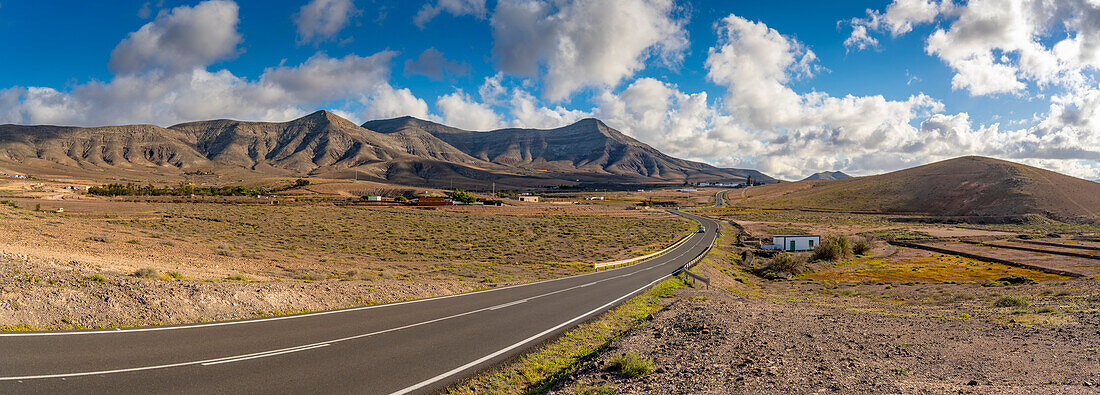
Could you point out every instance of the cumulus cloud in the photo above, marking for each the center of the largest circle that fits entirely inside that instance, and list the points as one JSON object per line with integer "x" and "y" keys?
{"x": 454, "y": 7}
{"x": 279, "y": 94}
{"x": 584, "y": 43}
{"x": 433, "y": 64}
{"x": 180, "y": 40}
{"x": 149, "y": 88}
{"x": 999, "y": 46}
{"x": 463, "y": 112}
{"x": 320, "y": 20}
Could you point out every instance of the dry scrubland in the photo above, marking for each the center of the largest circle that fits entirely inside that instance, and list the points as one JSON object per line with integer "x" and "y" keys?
{"x": 893, "y": 321}
{"x": 111, "y": 263}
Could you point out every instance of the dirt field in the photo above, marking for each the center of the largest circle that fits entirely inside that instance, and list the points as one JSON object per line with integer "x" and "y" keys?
{"x": 1083, "y": 266}
{"x": 899, "y": 321}
{"x": 806, "y": 338}
{"x": 110, "y": 263}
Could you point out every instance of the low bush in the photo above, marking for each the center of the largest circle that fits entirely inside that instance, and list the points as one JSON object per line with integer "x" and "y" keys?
{"x": 1010, "y": 301}
{"x": 100, "y": 238}
{"x": 632, "y": 364}
{"x": 783, "y": 265}
{"x": 862, "y": 246}
{"x": 602, "y": 389}
{"x": 96, "y": 277}
{"x": 1015, "y": 280}
{"x": 833, "y": 248}
{"x": 176, "y": 275}
{"x": 145, "y": 272}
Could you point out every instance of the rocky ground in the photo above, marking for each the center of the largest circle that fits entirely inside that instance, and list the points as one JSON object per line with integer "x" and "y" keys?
{"x": 807, "y": 337}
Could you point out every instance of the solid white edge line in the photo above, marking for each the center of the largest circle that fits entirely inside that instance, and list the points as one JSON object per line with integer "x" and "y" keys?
{"x": 319, "y": 313}
{"x": 267, "y": 353}
{"x": 452, "y": 372}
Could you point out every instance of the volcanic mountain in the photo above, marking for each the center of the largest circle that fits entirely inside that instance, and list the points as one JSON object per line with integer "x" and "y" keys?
{"x": 587, "y": 148}
{"x": 827, "y": 175}
{"x": 404, "y": 150}
{"x": 965, "y": 186}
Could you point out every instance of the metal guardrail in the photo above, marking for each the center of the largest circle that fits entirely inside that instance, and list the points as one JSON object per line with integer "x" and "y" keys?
{"x": 683, "y": 240}
{"x": 686, "y": 269}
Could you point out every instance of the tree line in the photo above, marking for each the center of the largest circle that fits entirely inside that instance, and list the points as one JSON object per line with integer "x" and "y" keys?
{"x": 131, "y": 189}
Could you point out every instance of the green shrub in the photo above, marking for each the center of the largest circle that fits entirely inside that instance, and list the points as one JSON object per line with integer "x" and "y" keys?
{"x": 632, "y": 364}
{"x": 463, "y": 196}
{"x": 401, "y": 199}
{"x": 176, "y": 275}
{"x": 862, "y": 246}
{"x": 1010, "y": 301}
{"x": 833, "y": 248}
{"x": 1016, "y": 280}
{"x": 602, "y": 389}
{"x": 783, "y": 265}
{"x": 96, "y": 277}
{"x": 100, "y": 238}
{"x": 145, "y": 272}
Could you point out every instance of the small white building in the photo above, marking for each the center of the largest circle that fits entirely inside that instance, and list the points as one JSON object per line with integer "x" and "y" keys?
{"x": 794, "y": 243}
{"x": 689, "y": 190}
{"x": 374, "y": 198}
{"x": 594, "y": 198}
{"x": 529, "y": 198}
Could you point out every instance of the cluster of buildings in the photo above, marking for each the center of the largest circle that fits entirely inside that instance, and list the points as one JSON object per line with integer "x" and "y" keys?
{"x": 14, "y": 176}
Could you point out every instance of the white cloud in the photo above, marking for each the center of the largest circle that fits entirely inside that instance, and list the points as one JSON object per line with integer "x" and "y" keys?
{"x": 584, "y": 43}
{"x": 281, "y": 93}
{"x": 1000, "y": 46}
{"x": 387, "y": 102}
{"x": 463, "y": 112}
{"x": 860, "y": 39}
{"x": 180, "y": 40}
{"x": 453, "y": 7}
{"x": 320, "y": 20}
{"x": 163, "y": 79}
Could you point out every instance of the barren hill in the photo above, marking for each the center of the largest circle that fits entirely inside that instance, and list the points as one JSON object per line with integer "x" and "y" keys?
{"x": 827, "y": 175}
{"x": 965, "y": 186}
{"x": 403, "y": 150}
{"x": 586, "y": 148}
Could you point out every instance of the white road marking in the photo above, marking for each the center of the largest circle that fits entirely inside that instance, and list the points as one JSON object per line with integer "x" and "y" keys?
{"x": 268, "y": 353}
{"x": 296, "y": 316}
{"x": 509, "y": 304}
{"x": 265, "y": 355}
{"x": 498, "y": 353}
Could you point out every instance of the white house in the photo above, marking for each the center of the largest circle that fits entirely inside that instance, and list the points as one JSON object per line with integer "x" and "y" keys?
{"x": 793, "y": 243}
{"x": 374, "y": 198}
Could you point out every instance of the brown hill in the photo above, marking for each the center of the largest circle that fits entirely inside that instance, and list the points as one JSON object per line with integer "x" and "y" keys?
{"x": 587, "y": 148}
{"x": 965, "y": 186}
{"x": 410, "y": 151}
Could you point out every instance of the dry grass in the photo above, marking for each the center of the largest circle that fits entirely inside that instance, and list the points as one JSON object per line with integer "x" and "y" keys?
{"x": 535, "y": 372}
{"x": 926, "y": 268}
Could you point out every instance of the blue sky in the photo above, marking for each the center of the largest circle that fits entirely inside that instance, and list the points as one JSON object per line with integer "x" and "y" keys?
{"x": 892, "y": 98}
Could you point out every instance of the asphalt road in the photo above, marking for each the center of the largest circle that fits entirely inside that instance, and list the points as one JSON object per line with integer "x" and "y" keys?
{"x": 720, "y": 198}
{"x": 409, "y": 347}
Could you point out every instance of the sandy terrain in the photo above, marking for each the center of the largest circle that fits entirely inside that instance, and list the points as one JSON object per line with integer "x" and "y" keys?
{"x": 804, "y": 338}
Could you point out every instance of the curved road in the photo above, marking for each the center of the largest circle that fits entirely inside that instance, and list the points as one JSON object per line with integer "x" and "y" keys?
{"x": 408, "y": 347}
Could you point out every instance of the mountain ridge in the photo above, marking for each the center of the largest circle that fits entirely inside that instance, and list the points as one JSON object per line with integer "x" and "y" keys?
{"x": 403, "y": 150}
{"x": 827, "y": 175}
